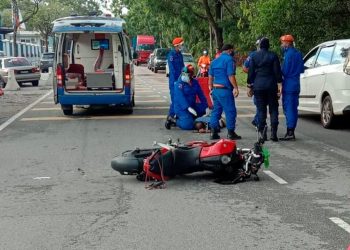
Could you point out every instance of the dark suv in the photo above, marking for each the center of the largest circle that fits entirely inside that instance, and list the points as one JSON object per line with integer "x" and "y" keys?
{"x": 46, "y": 61}
{"x": 159, "y": 60}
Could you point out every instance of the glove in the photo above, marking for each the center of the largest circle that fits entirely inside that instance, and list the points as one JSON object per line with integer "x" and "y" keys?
{"x": 207, "y": 111}
{"x": 192, "y": 111}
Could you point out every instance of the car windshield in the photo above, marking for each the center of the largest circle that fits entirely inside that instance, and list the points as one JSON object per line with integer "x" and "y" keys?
{"x": 15, "y": 62}
{"x": 48, "y": 56}
{"x": 188, "y": 58}
{"x": 145, "y": 47}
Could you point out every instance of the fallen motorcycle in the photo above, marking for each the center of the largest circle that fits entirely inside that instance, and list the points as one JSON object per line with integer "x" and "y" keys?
{"x": 229, "y": 163}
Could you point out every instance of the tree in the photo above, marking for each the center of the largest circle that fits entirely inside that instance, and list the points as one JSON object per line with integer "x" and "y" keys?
{"x": 48, "y": 12}
{"x": 16, "y": 22}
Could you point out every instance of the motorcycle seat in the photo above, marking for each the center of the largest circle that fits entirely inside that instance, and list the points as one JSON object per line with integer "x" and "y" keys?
{"x": 186, "y": 160}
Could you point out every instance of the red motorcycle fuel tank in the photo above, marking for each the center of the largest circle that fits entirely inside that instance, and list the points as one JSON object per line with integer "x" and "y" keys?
{"x": 222, "y": 147}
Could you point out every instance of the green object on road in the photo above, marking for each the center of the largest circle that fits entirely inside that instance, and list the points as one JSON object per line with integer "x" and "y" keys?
{"x": 266, "y": 154}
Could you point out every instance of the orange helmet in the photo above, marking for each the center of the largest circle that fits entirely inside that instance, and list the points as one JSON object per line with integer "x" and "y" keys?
{"x": 287, "y": 38}
{"x": 178, "y": 41}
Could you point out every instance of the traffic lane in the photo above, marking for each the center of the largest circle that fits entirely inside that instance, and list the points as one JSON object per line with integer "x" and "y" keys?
{"x": 95, "y": 206}
{"x": 339, "y": 137}
{"x": 187, "y": 135}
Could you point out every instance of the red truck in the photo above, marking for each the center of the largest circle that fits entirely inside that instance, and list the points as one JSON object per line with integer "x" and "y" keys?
{"x": 143, "y": 46}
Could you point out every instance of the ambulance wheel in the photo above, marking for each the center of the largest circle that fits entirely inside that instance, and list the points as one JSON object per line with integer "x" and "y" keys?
{"x": 133, "y": 100}
{"x": 327, "y": 115}
{"x": 35, "y": 83}
{"x": 128, "y": 110}
{"x": 67, "y": 109}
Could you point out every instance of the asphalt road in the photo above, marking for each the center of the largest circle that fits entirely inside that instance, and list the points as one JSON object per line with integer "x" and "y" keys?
{"x": 58, "y": 190}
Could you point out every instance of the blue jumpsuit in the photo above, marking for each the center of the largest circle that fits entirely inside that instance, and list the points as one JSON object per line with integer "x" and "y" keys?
{"x": 246, "y": 65}
{"x": 185, "y": 95}
{"x": 292, "y": 67}
{"x": 223, "y": 100}
{"x": 176, "y": 64}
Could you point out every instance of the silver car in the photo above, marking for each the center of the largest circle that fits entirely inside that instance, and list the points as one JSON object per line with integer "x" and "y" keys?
{"x": 23, "y": 69}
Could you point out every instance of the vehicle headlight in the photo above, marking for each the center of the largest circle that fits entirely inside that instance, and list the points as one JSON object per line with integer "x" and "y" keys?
{"x": 225, "y": 159}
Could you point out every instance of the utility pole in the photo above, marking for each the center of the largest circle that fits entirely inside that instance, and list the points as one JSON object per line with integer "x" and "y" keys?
{"x": 15, "y": 22}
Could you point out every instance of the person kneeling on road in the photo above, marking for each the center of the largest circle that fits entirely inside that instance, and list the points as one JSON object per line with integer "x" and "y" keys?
{"x": 186, "y": 91}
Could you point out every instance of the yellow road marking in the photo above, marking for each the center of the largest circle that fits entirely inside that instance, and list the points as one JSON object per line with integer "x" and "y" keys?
{"x": 62, "y": 118}
{"x": 149, "y": 101}
{"x": 131, "y": 117}
{"x": 144, "y": 91}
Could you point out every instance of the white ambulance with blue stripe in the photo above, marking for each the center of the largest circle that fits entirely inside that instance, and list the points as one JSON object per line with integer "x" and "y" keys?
{"x": 93, "y": 63}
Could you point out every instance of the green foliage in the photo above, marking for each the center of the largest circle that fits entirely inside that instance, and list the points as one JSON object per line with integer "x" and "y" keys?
{"x": 309, "y": 21}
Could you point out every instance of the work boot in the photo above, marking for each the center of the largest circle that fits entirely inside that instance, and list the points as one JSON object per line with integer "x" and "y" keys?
{"x": 170, "y": 121}
{"x": 214, "y": 134}
{"x": 273, "y": 136}
{"x": 289, "y": 135}
{"x": 231, "y": 134}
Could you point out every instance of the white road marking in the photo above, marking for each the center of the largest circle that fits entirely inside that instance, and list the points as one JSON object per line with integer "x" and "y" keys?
{"x": 41, "y": 178}
{"x": 48, "y": 102}
{"x": 13, "y": 118}
{"x": 341, "y": 223}
{"x": 275, "y": 177}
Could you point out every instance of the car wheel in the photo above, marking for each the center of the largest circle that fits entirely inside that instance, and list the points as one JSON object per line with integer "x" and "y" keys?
{"x": 133, "y": 100}
{"x": 327, "y": 115}
{"x": 67, "y": 109}
{"x": 155, "y": 70}
{"x": 35, "y": 83}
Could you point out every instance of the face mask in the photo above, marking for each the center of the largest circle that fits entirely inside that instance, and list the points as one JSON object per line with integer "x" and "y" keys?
{"x": 185, "y": 77}
{"x": 283, "y": 49}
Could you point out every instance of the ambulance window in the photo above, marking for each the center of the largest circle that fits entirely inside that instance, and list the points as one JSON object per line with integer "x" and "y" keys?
{"x": 128, "y": 45}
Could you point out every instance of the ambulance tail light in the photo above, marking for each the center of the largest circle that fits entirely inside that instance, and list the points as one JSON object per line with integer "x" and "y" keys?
{"x": 59, "y": 76}
{"x": 127, "y": 76}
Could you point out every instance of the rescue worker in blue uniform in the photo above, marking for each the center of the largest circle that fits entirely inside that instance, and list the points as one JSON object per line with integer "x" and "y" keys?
{"x": 292, "y": 67}
{"x": 186, "y": 91}
{"x": 224, "y": 89}
{"x": 265, "y": 81}
{"x": 176, "y": 64}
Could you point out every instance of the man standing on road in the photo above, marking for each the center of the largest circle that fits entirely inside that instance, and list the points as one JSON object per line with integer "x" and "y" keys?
{"x": 176, "y": 64}
{"x": 292, "y": 67}
{"x": 224, "y": 89}
{"x": 265, "y": 79}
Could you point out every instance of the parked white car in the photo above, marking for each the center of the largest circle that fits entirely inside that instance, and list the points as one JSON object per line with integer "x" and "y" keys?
{"x": 188, "y": 59}
{"x": 325, "y": 84}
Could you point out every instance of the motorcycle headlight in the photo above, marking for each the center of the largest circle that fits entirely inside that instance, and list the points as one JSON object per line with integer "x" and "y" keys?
{"x": 225, "y": 159}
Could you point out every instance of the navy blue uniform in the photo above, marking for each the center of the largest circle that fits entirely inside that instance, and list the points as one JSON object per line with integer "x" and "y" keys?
{"x": 265, "y": 73}
{"x": 221, "y": 69}
{"x": 176, "y": 64}
{"x": 185, "y": 95}
{"x": 292, "y": 67}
